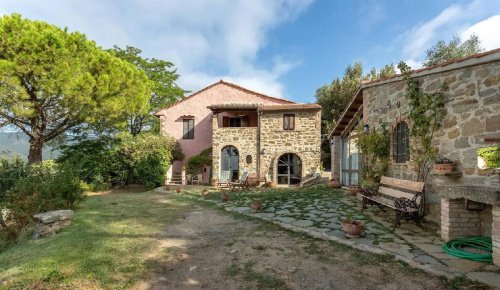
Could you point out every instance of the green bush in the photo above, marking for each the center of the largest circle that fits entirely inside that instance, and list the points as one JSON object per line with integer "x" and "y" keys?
{"x": 374, "y": 148}
{"x": 44, "y": 187}
{"x": 11, "y": 170}
{"x": 491, "y": 155}
{"x": 196, "y": 163}
{"x": 96, "y": 162}
{"x": 148, "y": 156}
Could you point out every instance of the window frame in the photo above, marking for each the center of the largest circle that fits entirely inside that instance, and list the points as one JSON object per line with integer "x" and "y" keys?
{"x": 401, "y": 145}
{"x": 189, "y": 134}
{"x": 291, "y": 122}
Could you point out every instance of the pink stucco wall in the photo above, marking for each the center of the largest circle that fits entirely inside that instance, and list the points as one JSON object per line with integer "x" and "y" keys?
{"x": 196, "y": 105}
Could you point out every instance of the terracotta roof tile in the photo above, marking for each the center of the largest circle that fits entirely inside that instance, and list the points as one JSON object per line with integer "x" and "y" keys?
{"x": 227, "y": 84}
{"x": 287, "y": 107}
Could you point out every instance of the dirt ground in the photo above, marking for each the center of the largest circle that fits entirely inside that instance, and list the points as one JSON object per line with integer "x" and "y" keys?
{"x": 210, "y": 249}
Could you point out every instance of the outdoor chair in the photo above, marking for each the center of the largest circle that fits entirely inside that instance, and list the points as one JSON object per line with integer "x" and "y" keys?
{"x": 224, "y": 179}
{"x": 197, "y": 179}
{"x": 241, "y": 183}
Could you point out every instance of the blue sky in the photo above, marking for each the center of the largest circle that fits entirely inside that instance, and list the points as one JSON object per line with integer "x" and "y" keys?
{"x": 285, "y": 48}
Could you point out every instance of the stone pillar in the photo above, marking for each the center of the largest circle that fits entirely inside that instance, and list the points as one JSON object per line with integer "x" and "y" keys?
{"x": 457, "y": 221}
{"x": 495, "y": 234}
{"x": 336, "y": 150}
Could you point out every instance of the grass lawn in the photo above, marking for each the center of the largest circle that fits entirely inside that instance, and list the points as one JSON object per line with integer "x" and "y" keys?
{"x": 106, "y": 246}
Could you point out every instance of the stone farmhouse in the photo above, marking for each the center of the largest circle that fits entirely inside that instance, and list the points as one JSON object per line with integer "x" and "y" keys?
{"x": 467, "y": 202}
{"x": 271, "y": 138}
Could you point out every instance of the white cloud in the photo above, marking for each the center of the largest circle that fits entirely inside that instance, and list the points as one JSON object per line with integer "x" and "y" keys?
{"x": 488, "y": 32}
{"x": 206, "y": 40}
{"x": 450, "y": 22}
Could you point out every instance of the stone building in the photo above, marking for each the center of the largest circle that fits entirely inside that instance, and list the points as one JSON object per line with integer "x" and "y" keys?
{"x": 467, "y": 202}
{"x": 278, "y": 143}
{"x": 269, "y": 137}
{"x": 189, "y": 120}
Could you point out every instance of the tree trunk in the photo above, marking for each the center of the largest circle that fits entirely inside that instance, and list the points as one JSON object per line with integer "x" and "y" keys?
{"x": 35, "y": 154}
{"x": 130, "y": 176}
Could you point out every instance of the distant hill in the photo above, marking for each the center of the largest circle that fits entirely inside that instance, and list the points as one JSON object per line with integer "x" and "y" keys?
{"x": 12, "y": 144}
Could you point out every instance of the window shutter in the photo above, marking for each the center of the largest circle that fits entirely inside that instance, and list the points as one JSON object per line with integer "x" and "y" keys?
{"x": 225, "y": 121}
{"x": 244, "y": 121}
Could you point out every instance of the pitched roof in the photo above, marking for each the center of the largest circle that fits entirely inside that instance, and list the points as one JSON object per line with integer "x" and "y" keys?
{"x": 233, "y": 106}
{"x": 448, "y": 64}
{"x": 229, "y": 85}
{"x": 290, "y": 107}
{"x": 458, "y": 63}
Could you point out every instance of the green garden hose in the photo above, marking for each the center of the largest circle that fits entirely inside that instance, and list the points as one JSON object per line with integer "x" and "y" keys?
{"x": 455, "y": 248}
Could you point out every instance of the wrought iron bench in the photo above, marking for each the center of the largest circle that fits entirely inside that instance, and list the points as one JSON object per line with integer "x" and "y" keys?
{"x": 404, "y": 196}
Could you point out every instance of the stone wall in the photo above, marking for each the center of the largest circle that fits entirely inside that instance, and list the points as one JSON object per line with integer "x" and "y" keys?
{"x": 51, "y": 222}
{"x": 243, "y": 138}
{"x": 304, "y": 141}
{"x": 472, "y": 121}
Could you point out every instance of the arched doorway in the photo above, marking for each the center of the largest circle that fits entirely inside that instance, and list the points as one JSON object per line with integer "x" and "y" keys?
{"x": 230, "y": 161}
{"x": 289, "y": 169}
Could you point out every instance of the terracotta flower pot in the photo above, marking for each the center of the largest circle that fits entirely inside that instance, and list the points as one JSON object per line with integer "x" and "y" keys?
{"x": 272, "y": 184}
{"x": 178, "y": 189}
{"x": 256, "y": 205}
{"x": 204, "y": 192}
{"x": 352, "y": 229}
{"x": 443, "y": 168}
{"x": 353, "y": 189}
{"x": 225, "y": 197}
{"x": 334, "y": 184}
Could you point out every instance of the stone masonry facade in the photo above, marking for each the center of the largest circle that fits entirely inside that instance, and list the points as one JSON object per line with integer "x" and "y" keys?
{"x": 304, "y": 141}
{"x": 472, "y": 121}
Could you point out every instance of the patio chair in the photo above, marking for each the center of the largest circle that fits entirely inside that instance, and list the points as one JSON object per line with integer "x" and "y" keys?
{"x": 241, "y": 183}
{"x": 224, "y": 179}
{"x": 197, "y": 179}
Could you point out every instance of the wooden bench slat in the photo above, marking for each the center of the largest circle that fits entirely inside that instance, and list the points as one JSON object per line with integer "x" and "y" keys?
{"x": 384, "y": 201}
{"x": 397, "y": 193}
{"x": 406, "y": 184}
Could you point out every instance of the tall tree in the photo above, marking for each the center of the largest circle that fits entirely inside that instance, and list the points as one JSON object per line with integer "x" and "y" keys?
{"x": 164, "y": 91}
{"x": 52, "y": 81}
{"x": 335, "y": 96}
{"x": 455, "y": 48}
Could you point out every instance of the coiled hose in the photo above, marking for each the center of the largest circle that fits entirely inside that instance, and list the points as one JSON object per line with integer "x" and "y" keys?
{"x": 455, "y": 248}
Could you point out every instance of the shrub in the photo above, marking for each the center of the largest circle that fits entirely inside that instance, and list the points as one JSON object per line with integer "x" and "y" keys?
{"x": 96, "y": 162}
{"x": 491, "y": 155}
{"x": 10, "y": 172}
{"x": 196, "y": 163}
{"x": 46, "y": 186}
{"x": 148, "y": 156}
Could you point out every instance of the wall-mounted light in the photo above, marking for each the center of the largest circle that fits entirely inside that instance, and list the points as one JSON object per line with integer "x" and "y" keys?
{"x": 263, "y": 151}
{"x": 366, "y": 128}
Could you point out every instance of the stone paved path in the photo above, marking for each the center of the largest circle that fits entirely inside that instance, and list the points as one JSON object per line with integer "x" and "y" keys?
{"x": 319, "y": 211}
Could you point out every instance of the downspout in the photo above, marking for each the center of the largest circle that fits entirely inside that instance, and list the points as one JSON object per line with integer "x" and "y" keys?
{"x": 259, "y": 113}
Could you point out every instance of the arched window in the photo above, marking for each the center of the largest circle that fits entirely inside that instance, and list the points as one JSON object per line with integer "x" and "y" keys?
{"x": 401, "y": 143}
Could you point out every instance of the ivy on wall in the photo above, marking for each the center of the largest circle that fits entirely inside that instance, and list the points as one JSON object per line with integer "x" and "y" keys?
{"x": 426, "y": 113}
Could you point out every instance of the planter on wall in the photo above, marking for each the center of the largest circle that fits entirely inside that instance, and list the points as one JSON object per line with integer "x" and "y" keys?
{"x": 443, "y": 168}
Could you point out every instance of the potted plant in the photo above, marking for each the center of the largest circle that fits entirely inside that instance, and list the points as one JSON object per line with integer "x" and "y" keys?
{"x": 443, "y": 165}
{"x": 225, "y": 197}
{"x": 178, "y": 189}
{"x": 256, "y": 205}
{"x": 352, "y": 228}
{"x": 353, "y": 189}
{"x": 334, "y": 183}
{"x": 272, "y": 184}
{"x": 204, "y": 192}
